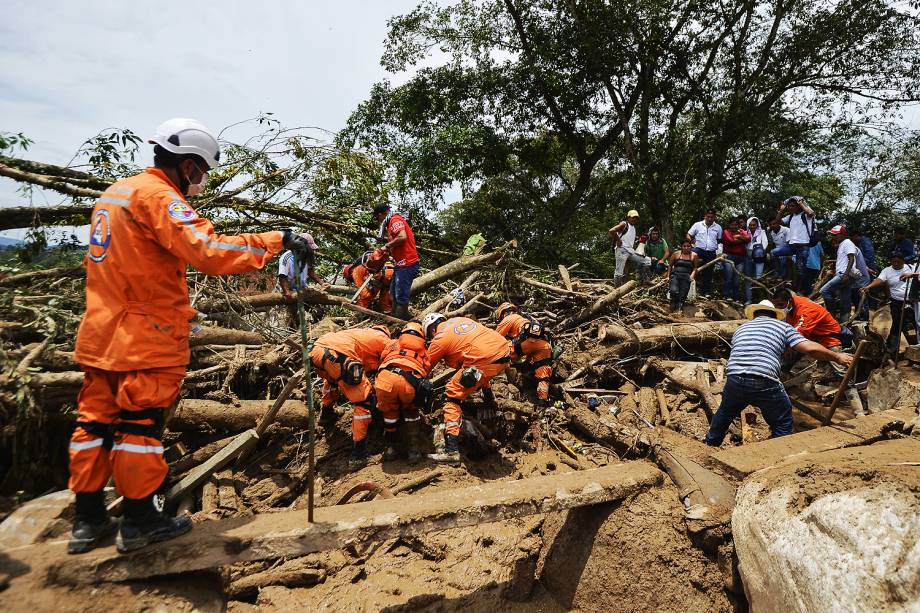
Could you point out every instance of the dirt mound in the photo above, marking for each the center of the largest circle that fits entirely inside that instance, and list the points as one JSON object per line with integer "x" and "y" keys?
{"x": 633, "y": 556}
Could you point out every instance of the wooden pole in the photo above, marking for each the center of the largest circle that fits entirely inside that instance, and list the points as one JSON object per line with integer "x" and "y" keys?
{"x": 846, "y": 381}
{"x": 311, "y": 415}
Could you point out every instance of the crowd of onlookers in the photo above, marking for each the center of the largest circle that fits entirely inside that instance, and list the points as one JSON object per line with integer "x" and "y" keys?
{"x": 791, "y": 247}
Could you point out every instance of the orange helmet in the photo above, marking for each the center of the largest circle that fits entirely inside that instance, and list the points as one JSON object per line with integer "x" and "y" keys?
{"x": 504, "y": 309}
{"x": 382, "y": 328}
{"x": 412, "y": 338}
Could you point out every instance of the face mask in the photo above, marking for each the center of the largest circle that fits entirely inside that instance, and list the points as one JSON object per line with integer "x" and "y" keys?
{"x": 193, "y": 189}
{"x": 196, "y": 188}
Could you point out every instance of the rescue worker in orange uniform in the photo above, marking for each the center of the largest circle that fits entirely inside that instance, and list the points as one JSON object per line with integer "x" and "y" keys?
{"x": 530, "y": 342}
{"x": 133, "y": 341}
{"x": 375, "y": 266}
{"x": 344, "y": 360}
{"x": 401, "y": 387}
{"x": 479, "y": 353}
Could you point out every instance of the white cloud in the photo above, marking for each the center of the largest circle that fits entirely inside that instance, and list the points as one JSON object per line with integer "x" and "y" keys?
{"x": 71, "y": 69}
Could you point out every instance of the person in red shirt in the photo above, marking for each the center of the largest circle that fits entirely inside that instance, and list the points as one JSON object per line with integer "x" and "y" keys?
{"x": 734, "y": 247}
{"x": 400, "y": 241}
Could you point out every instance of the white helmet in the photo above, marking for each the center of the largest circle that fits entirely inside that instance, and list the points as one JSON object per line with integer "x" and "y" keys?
{"x": 187, "y": 136}
{"x": 430, "y": 324}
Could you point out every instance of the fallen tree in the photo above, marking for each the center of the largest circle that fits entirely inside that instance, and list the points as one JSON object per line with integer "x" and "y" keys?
{"x": 458, "y": 267}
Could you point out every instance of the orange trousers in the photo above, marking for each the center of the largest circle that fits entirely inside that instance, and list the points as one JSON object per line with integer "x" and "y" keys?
{"x": 370, "y": 293}
{"x": 395, "y": 395}
{"x": 535, "y": 350}
{"x": 359, "y": 395}
{"x": 455, "y": 393}
{"x": 99, "y": 450}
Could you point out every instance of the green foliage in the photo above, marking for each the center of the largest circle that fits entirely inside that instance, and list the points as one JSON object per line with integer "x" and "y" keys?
{"x": 552, "y": 114}
{"x": 12, "y": 143}
{"x": 111, "y": 153}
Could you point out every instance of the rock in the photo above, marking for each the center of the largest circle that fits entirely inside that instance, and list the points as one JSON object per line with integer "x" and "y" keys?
{"x": 889, "y": 388}
{"x": 37, "y": 519}
{"x": 836, "y": 530}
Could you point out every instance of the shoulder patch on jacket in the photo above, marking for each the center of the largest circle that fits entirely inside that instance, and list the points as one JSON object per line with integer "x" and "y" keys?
{"x": 180, "y": 211}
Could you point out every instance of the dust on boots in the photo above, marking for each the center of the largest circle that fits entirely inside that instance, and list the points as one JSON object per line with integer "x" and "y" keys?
{"x": 145, "y": 523}
{"x": 91, "y": 525}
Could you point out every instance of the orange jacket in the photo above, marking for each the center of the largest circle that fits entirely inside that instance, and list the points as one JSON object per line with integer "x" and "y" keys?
{"x": 510, "y": 326}
{"x": 407, "y": 351}
{"x": 813, "y": 321}
{"x": 463, "y": 342}
{"x": 143, "y": 234}
{"x": 363, "y": 344}
{"x": 381, "y": 280}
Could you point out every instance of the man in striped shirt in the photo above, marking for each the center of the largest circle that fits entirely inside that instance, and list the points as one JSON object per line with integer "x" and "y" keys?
{"x": 753, "y": 371}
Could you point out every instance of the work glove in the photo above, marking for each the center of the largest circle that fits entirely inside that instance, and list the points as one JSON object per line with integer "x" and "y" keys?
{"x": 299, "y": 245}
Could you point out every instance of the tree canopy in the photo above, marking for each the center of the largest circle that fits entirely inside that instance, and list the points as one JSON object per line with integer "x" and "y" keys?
{"x": 556, "y": 116}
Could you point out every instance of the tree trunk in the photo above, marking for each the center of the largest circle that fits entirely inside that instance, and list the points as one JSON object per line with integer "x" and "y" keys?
{"x": 212, "y": 416}
{"x": 458, "y": 267}
{"x": 602, "y": 303}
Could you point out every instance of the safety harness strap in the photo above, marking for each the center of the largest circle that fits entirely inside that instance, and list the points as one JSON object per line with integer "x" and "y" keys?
{"x": 99, "y": 429}
{"x": 127, "y": 425}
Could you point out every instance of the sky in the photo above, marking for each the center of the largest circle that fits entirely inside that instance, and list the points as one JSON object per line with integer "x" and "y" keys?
{"x": 71, "y": 69}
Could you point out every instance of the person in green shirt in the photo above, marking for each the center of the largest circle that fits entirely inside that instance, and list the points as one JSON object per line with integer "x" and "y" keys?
{"x": 657, "y": 249}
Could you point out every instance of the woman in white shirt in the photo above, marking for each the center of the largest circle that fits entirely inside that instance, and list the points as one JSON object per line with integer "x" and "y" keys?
{"x": 756, "y": 256}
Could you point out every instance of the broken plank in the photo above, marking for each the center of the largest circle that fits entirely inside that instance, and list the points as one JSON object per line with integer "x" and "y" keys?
{"x": 287, "y": 534}
{"x": 198, "y": 475}
{"x": 742, "y": 461}
{"x": 566, "y": 279}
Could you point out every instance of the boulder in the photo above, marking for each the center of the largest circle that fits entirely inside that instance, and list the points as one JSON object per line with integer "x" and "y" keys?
{"x": 834, "y": 531}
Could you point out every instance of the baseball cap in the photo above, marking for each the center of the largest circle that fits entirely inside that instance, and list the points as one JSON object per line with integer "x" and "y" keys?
{"x": 838, "y": 229}
{"x": 632, "y": 213}
{"x": 309, "y": 238}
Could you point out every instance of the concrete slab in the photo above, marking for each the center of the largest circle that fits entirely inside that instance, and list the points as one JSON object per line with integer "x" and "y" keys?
{"x": 742, "y": 461}
{"x": 274, "y": 535}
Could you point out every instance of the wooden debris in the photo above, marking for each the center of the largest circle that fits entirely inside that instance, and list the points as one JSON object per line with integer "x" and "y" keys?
{"x": 600, "y": 305}
{"x": 200, "y": 474}
{"x": 566, "y": 278}
{"x": 458, "y": 267}
{"x": 274, "y": 535}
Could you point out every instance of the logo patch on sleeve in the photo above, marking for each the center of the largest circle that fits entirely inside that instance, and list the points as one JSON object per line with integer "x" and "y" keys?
{"x": 181, "y": 211}
{"x": 100, "y": 236}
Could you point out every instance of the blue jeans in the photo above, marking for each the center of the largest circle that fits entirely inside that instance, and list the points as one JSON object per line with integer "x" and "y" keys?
{"x": 401, "y": 286}
{"x": 844, "y": 290}
{"x": 801, "y": 258}
{"x": 705, "y": 276}
{"x": 754, "y": 270}
{"x": 742, "y": 390}
{"x": 733, "y": 264}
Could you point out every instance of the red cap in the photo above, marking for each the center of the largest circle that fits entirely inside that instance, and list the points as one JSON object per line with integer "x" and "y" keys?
{"x": 838, "y": 229}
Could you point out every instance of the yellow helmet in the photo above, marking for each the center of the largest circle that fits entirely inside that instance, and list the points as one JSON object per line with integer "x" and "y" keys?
{"x": 504, "y": 309}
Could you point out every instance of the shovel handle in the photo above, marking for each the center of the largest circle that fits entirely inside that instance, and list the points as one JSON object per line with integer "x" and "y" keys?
{"x": 846, "y": 381}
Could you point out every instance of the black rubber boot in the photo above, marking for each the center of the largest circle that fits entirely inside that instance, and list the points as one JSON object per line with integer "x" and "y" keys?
{"x": 401, "y": 311}
{"x": 328, "y": 417}
{"x": 144, "y": 524}
{"x": 450, "y": 453}
{"x": 412, "y": 438}
{"x": 392, "y": 451}
{"x": 358, "y": 457}
{"x": 91, "y": 524}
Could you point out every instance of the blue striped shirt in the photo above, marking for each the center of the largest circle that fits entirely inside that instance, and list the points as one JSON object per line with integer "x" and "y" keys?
{"x": 758, "y": 346}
